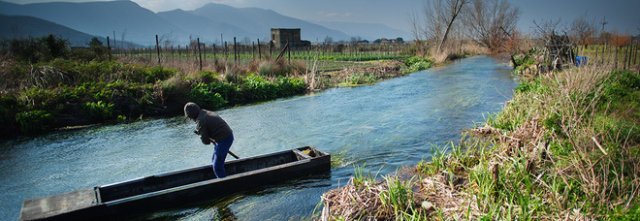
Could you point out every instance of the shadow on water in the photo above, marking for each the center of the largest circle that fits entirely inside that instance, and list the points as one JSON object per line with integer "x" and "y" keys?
{"x": 385, "y": 126}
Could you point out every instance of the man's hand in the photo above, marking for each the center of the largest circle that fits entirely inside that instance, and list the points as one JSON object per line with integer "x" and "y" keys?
{"x": 196, "y": 132}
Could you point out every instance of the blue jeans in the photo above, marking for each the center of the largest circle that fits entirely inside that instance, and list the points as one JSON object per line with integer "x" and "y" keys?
{"x": 220, "y": 151}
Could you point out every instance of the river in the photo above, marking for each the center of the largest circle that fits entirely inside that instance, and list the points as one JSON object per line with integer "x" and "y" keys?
{"x": 384, "y": 126}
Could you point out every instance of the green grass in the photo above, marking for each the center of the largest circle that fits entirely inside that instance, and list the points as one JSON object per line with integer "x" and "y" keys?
{"x": 567, "y": 148}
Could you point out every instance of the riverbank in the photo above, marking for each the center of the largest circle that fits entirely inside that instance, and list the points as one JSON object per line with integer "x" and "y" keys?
{"x": 78, "y": 88}
{"x": 565, "y": 147}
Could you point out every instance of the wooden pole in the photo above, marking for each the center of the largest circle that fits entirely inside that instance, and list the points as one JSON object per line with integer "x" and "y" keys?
{"x": 235, "y": 50}
{"x": 199, "y": 53}
{"x": 289, "y": 52}
{"x": 109, "y": 48}
{"x": 259, "y": 52}
{"x": 253, "y": 50}
{"x": 158, "y": 49}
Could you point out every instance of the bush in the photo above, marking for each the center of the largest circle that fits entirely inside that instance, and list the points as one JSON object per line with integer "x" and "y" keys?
{"x": 416, "y": 63}
{"x": 257, "y": 88}
{"x": 359, "y": 78}
{"x": 203, "y": 95}
{"x": 151, "y": 75}
{"x": 99, "y": 110}
{"x": 34, "y": 121}
{"x": 290, "y": 86}
{"x": 38, "y": 49}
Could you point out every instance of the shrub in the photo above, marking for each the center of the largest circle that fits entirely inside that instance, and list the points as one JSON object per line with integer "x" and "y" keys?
{"x": 203, "y": 95}
{"x": 207, "y": 76}
{"x": 38, "y": 49}
{"x": 34, "y": 121}
{"x": 417, "y": 63}
{"x": 359, "y": 78}
{"x": 99, "y": 110}
{"x": 153, "y": 74}
{"x": 290, "y": 86}
{"x": 256, "y": 88}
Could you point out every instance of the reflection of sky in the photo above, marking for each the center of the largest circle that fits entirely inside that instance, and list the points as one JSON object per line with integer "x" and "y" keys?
{"x": 385, "y": 126}
{"x": 621, "y": 14}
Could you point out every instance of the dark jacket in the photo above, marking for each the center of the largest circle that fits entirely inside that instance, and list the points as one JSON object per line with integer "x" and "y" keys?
{"x": 211, "y": 125}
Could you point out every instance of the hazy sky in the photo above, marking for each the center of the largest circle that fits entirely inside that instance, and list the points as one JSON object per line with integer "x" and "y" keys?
{"x": 622, "y": 15}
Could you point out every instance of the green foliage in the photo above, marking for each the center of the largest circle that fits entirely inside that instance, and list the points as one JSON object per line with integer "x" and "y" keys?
{"x": 34, "y": 121}
{"x": 38, "y": 49}
{"x": 398, "y": 195}
{"x": 416, "y": 63}
{"x": 207, "y": 76}
{"x": 289, "y": 86}
{"x": 256, "y": 87}
{"x": 534, "y": 86}
{"x": 359, "y": 79}
{"x": 204, "y": 95}
{"x": 99, "y": 110}
{"x": 153, "y": 74}
{"x": 622, "y": 92}
{"x": 553, "y": 123}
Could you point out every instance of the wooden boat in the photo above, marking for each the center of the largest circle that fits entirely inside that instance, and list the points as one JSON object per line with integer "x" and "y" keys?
{"x": 177, "y": 188}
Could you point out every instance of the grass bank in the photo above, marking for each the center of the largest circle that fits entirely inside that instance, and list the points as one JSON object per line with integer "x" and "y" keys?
{"x": 565, "y": 147}
{"x": 47, "y": 85}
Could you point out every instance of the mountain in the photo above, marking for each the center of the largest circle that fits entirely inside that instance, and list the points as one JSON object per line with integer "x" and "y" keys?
{"x": 25, "y": 26}
{"x": 368, "y": 31}
{"x": 199, "y": 26}
{"x": 258, "y": 22}
{"x": 130, "y": 22}
{"x": 127, "y": 19}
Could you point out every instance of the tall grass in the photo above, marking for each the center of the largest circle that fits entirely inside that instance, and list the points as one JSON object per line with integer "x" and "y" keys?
{"x": 565, "y": 147}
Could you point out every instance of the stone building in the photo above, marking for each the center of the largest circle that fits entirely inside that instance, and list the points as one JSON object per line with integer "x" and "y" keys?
{"x": 280, "y": 37}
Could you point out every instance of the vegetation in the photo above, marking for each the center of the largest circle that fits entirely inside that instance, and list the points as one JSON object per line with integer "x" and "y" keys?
{"x": 566, "y": 146}
{"x": 49, "y": 85}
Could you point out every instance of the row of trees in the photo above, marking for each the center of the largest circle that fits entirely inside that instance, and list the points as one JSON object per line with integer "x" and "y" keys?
{"x": 489, "y": 23}
{"x": 492, "y": 24}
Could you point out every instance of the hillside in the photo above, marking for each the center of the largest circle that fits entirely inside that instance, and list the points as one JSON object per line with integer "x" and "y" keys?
{"x": 131, "y": 22}
{"x": 25, "y": 26}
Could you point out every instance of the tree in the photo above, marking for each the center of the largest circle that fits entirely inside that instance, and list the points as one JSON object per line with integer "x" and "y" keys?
{"x": 98, "y": 49}
{"x": 441, "y": 16}
{"x": 328, "y": 40}
{"x": 491, "y": 23}
{"x": 582, "y": 30}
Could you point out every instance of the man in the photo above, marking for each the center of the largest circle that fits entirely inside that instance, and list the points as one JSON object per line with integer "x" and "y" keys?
{"x": 212, "y": 129}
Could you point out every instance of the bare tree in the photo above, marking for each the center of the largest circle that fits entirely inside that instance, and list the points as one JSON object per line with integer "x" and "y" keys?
{"x": 582, "y": 29}
{"x": 441, "y": 16}
{"x": 491, "y": 22}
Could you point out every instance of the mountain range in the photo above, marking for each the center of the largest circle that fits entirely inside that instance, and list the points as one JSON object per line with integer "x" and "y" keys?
{"x": 127, "y": 21}
{"x": 25, "y": 26}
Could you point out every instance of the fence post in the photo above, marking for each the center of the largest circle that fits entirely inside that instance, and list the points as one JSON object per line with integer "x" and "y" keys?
{"x": 253, "y": 50}
{"x": 199, "y": 53}
{"x": 235, "y": 50}
{"x": 289, "y": 52}
{"x": 109, "y": 48}
{"x": 259, "y": 52}
{"x": 158, "y": 49}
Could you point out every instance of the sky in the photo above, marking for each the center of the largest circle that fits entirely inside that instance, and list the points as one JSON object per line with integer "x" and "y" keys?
{"x": 621, "y": 15}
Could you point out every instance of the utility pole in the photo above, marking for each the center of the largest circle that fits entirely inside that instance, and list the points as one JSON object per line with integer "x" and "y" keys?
{"x": 604, "y": 22}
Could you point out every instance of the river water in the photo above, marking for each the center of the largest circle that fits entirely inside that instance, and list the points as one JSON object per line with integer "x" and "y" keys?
{"x": 384, "y": 126}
